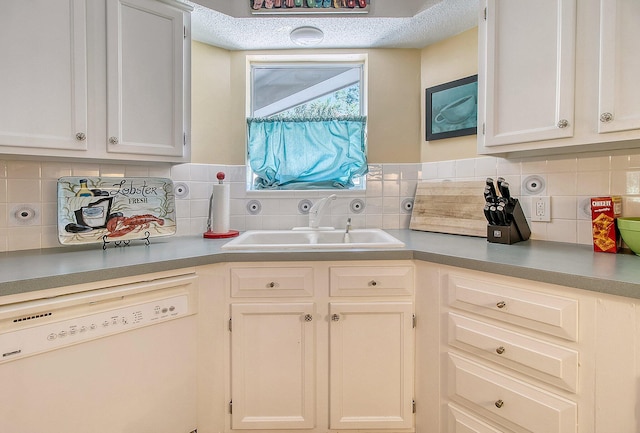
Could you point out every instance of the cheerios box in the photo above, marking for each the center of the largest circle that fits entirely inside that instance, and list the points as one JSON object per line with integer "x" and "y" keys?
{"x": 604, "y": 211}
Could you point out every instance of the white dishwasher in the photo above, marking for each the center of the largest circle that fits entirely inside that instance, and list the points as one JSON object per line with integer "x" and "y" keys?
{"x": 118, "y": 359}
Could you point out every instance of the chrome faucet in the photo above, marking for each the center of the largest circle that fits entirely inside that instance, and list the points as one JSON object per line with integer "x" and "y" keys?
{"x": 347, "y": 238}
{"x": 317, "y": 210}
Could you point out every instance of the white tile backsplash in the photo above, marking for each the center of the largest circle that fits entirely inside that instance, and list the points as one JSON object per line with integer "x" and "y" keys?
{"x": 570, "y": 181}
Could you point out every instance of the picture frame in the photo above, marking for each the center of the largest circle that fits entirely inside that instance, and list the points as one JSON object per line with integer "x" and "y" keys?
{"x": 310, "y": 7}
{"x": 452, "y": 109}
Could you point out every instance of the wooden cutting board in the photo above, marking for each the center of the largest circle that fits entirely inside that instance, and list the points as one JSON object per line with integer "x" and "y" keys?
{"x": 450, "y": 207}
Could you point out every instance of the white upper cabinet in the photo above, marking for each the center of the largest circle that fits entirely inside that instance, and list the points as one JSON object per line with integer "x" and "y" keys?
{"x": 558, "y": 76}
{"x": 146, "y": 49}
{"x": 96, "y": 79}
{"x": 529, "y": 78}
{"x": 528, "y": 69}
{"x": 43, "y": 85}
{"x": 619, "y": 66}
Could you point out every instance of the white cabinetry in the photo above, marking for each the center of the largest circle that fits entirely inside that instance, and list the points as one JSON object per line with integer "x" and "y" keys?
{"x": 43, "y": 90}
{"x": 371, "y": 365}
{"x": 528, "y": 75}
{"x": 514, "y": 356}
{"x": 321, "y": 347}
{"x": 557, "y": 74}
{"x": 99, "y": 79}
{"x": 147, "y": 54}
{"x": 619, "y": 66}
{"x": 273, "y": 354}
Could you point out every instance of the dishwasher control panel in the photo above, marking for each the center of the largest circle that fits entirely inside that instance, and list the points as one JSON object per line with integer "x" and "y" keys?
{"x": 36, "y": 339}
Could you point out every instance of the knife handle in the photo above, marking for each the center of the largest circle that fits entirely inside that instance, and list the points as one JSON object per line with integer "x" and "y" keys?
{"x": 487, "y": 214}
{"x": 502, "y": 215}
{"x": 504, "y": 190}
{"x": 492, "y": 188}
{"x": 488, "y": 196}
{"x": 493, "y": 212}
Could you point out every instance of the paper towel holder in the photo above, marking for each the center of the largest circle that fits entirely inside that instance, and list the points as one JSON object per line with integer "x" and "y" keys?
{"x": 210, "y": 234}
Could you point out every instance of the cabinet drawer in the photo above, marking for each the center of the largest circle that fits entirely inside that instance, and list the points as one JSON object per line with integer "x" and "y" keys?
{"x": 542, "y": 312}
{"x": 462, "y": 422}
{"x": 545, "y": 361}
{"x": 268, "y": 282}
{"x": 509, "y": 401}
{"x": 371, "y": 280}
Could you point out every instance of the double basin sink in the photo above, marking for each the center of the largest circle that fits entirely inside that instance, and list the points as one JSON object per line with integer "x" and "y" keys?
{"x": 313, "y": 239}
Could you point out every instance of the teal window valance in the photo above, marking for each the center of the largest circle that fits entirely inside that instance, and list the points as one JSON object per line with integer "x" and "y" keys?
{"x": 306, "y": 153}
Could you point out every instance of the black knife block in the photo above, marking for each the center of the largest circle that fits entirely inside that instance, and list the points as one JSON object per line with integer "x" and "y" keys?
{"x": 517, "y": 231}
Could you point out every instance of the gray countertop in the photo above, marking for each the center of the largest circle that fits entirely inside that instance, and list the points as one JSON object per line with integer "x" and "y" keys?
{"x": 568, "y": 265}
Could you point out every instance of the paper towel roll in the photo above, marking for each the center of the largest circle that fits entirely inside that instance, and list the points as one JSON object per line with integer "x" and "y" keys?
{"x": 220, "y": 208}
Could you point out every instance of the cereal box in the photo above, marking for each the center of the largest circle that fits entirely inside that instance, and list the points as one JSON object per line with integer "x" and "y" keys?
{"x": 604, "y": 211}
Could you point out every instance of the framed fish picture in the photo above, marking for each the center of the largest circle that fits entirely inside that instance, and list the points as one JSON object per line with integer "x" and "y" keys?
{"x": 106, "y": 209}
{"x": 452, "y": 109}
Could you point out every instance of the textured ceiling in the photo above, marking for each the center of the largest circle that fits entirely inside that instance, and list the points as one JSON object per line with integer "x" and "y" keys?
{"x": 389, "y": 24}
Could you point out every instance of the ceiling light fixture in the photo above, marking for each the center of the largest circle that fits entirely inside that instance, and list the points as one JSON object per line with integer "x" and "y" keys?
{"x": 306, "y": 36}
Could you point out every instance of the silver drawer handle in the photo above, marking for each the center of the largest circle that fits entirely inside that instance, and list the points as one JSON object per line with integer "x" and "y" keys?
{"x": 500, "y": 350}
{"x": 499, "y": 403}
{"x": 501, "y": 304}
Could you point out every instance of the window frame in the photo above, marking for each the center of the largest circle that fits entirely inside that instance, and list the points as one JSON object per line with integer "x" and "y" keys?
{"x": 339, "y": 60}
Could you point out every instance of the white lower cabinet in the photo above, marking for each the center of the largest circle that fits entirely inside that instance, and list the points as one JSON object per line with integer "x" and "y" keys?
{"x": 371, "y": 364}
{"x": 302, "y": 359}
{"x": 511, "y": 353}
{"x": 273, "y": 354}
{"x": 514, "y": 355}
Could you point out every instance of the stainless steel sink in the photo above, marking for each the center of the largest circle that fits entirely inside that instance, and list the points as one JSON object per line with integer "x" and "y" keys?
{"x": 313, "y": 239}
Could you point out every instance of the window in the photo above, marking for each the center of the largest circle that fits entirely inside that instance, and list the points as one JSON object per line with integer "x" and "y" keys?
{"x": 306, "y": 122}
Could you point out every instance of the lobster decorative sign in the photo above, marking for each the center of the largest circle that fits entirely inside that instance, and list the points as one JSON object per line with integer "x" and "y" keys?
{"x": 101, "y": 209}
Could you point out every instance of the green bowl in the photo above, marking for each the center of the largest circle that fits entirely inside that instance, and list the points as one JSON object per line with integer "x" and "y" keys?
{"x": 630, "y": 232}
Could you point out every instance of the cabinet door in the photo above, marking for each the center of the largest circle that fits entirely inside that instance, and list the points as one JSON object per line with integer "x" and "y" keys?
{"x": 147, "y": 50}
{"x": 43, "y": 90}
{"x": 527, "y": 71}
{"x": 273, "y": 366}
{"x": 371, "y": 349}
{"x": 619, "y": 66}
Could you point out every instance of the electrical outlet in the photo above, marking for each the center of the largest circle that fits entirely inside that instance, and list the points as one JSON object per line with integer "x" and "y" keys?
{"x": 541, "y": 208}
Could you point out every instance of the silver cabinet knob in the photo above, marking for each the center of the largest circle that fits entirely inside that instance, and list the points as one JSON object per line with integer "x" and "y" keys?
{"x": 373, "y": 283}
{"x": 606, "y": 117}
{"x": 80, "y": 136}
{"x": 272, "y": 284}
{"x": 113, "y": 140}
{"x": 499, "y": 404}
{"x": 500, "y": 350}
{"x": 308, "y": 317}
{"x": 335, "y": 317}
{"x": 501, "y": 304}
{"x": 563, "y": 123}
